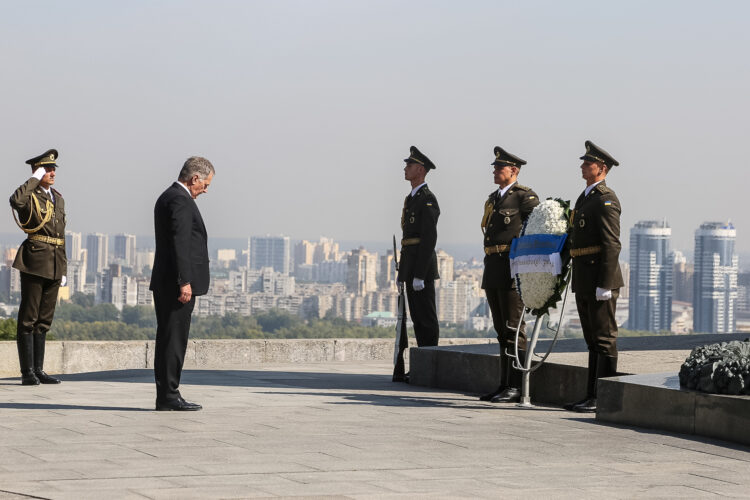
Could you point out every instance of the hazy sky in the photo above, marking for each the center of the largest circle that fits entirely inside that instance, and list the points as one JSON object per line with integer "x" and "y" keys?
{"x": 307, "y": 108}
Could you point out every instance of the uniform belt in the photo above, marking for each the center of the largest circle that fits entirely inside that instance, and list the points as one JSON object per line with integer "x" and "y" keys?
{"x": 496, "y": 249}
{"x": 410, "y": 241}
{"x": 46, "y": 239}
{"x": 580, "y": 252}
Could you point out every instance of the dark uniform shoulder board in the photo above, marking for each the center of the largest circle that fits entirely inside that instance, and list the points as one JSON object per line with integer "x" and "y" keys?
{"x": 522, "y": 187}
{"x": 56, "y": 191}
{"x": 602, "y": 188}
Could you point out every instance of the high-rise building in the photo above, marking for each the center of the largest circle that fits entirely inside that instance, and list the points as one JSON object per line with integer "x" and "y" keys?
{"x": 326, "y": 249}
{"x": 361, "y": 277}
{"x": 125, "y": 250}
{"x": 651, "y": 273}
{"x": 97, "y": 246}
{"x": 304, "y": 251}
{"x": 387, "y": 272}
{"x": 715, "y": 278}
{"x": 73, "y": 247}
{"x": 445, "y": 266}
{"x": 270, "y": 251}
{"x": 683, "y": 278}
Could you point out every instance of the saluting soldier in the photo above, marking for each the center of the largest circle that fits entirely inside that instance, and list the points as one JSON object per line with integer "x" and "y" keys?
{"x": 41, "y": 261}
{"x": 418, "y": 263}
{"x": 595, "y": 249}
{"x": 505, "y": 212}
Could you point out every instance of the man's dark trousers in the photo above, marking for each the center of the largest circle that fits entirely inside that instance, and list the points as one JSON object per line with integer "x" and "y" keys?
{"x": 173, "y": 327}
{"x": 424, "y": 314}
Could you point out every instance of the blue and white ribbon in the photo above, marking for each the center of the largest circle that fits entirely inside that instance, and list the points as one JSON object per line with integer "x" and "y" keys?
{"x": 536, "y": 253}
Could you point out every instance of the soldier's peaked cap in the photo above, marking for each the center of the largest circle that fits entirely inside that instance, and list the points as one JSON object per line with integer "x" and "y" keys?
{"x": 49, "y": 157}
{"x": 416, "y": 156}
{"x": 503, "y": 158}
{"x": 596, "y": 154}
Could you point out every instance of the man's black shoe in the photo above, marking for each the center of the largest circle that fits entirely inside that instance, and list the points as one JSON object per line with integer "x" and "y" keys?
{"x": 570, "y": 406}
{"x": 29, "y": 379}
{"x": 509, "y": 395}
{"x": 490, "y": 395}
{"x": 46, "y": 379}
{"x": 588, "y": 406}
{"x": 178, "y": 404}
{"x": 401, "y": 378}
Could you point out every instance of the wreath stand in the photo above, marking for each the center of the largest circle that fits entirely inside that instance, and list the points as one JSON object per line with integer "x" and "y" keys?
{"x": 530, "y": 353}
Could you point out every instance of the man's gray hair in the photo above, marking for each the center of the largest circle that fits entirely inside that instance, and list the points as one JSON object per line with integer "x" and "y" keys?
{"x": 196, "y": 165}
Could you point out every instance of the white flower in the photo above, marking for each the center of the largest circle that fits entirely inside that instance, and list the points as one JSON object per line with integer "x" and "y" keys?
{"x": 547, "y": 218}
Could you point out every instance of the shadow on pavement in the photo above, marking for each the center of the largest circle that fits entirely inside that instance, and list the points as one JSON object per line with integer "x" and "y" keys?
{"x": 54, "y": 406}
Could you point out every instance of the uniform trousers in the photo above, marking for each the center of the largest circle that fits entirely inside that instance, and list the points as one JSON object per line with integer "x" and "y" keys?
{"x": 38, "y": 300}
{"x": 172, "y": 329}
{"x": 598, "y": 322}
{"x": 424, "y": 314}
{"x": 507, "y": 310}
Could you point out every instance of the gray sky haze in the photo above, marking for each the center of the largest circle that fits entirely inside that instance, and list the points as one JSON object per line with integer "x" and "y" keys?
{"x": 307, "y": 108}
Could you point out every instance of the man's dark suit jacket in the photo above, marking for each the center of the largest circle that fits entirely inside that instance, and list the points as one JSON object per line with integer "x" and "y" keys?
{"x": 181, "y": 244}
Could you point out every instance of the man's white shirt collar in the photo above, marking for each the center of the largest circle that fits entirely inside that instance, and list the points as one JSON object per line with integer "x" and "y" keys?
{"x": 589, "y": 188}
{"x": 502, "y": 191}
{"x": 185, "y": 188}
{"x": 414, "y": 191}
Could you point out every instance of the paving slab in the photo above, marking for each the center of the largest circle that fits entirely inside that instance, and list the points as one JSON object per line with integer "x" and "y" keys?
{"x": 332, "y": 430}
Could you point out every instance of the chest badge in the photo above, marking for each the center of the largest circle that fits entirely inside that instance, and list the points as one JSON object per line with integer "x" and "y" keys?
{"x": 582, "y": 222}
{"x": 411, "y": 220}
{"x": 507, "y": 220}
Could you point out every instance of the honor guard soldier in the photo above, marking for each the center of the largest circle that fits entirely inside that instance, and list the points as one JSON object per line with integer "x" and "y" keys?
{"x": 41, "y": 261}
{"x": 505, "y": 212}
{"x": 595, "y": 249}
{"x": 418, "y": 263}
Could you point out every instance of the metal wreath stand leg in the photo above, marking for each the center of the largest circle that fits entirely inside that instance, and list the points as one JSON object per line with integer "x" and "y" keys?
{"x": 530, "y": 353}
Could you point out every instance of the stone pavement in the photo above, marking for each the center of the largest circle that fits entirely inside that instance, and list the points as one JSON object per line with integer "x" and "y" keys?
{"x": 332, "y": 430}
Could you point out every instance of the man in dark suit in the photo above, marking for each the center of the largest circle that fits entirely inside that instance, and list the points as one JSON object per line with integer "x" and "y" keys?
{"x": 179, "y": 275}
{"x": 42, "y": 262}
{"x": 595, "y": 249}
{"x": 418, "y": 263}
{"x": 505, "y": 212}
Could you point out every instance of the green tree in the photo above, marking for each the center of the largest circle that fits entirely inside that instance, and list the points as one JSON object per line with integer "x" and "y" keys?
{"x": 8, "y": 329}
{"x": 83, "y": 299}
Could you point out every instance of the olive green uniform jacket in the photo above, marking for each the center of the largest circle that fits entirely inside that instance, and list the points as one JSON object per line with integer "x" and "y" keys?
{"x": 596, "y": 223}
{"x": 419, "y": 220}
{"x": 35, "y": 257}
{"x": 503, "y": 219}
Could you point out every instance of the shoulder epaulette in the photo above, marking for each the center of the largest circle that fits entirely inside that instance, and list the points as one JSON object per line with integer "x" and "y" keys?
{"x": 56, "y": 191}
{"x": 522, "y": 187}
{"x": 603, "y": 189}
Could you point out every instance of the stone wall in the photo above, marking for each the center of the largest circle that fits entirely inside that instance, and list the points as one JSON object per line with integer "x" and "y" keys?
{"x": 91, "y": 356}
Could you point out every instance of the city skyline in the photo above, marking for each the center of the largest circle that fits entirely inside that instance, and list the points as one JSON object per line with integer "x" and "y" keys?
{"x": 307, "y": 109}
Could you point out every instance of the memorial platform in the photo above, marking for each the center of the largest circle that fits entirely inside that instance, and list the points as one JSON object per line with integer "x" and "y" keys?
{"x": 332, "y": 429}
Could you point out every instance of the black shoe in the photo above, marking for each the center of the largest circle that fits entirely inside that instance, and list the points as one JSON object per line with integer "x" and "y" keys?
{"x": 490, "y": 395}
{"x": 29, "y": 379}
{"x": 570, "y": 406}
{"x": 509, "y": 395}
{"x": 46, "y": 379}
{"x": 588, "y": 406}
{"x": 401, "y": 378}
{"x": 178, "y": 404}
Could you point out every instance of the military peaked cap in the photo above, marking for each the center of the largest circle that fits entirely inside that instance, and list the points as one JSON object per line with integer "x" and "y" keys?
{"x": 596, "y": 154}
{"x": 47, "y": 158}
{"x": 416, "y": 156}
{"x": 503, "y": 158}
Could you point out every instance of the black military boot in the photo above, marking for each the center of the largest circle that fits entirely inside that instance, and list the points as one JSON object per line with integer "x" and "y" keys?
{"x": 590, "y": 383}
{"x": 504, "y": 363}
{"x": 512, "y": 394}
{"x": 25, "y": 344}
{"x": 606, "y": 366}
{"x": 39, "y": 343}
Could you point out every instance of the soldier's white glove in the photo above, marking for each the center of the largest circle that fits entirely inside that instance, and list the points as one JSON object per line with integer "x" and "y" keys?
{"x": 64, "y": 281}
{"x": 39, "y": 173}
{"x": 603, "y": 294}
{"x": 417, "y": 284}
